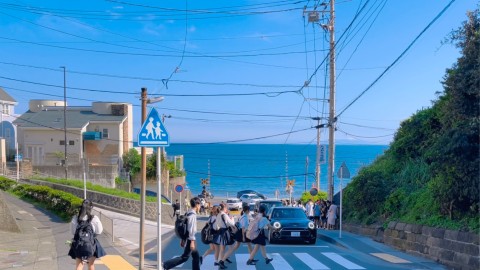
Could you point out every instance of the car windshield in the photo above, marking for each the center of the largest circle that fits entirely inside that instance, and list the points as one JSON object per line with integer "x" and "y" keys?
{"x": 288, "y": 213}
{"x": 233, "y": 201}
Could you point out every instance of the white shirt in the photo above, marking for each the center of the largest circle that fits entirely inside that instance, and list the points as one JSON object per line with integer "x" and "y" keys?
{"x": 225, "y": 222}
{"x": 244, "y": 221}
{"x": 96, "y": 224}
{"x": 191, "y": 224}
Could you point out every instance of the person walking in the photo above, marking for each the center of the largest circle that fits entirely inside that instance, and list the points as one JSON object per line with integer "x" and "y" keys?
{"x": 309, "y": 210}
{"x": 260, "y": 240}
{"x": 223, "y": 237}
{"x": 211, "y": 220}
{"x": 323, "y": 214}
{"x": 240, "y": 235}
{"x": 316, "y": 214}
{"x": 189, "y": 244}
{"x": 80, "y": 226}
{"x": 332, "y": 216}
{"x": 176, "y": 209}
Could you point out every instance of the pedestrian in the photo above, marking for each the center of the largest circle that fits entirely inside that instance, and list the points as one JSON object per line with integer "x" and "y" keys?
{"x": 223, "y": 237}
{"x": 176, "y": 209}
{"x": 189, "y": 245}
{"x": 81, "y": 225}
{"x": 316, "y": 214}
{"x": 323, "y": 214}
{"x": 332, "y": 216}
{"x": 309, "y": 210}
{"x": 211, "y": 221}
{"x": 260, "y": 240}
{"x": 240, "y": 235}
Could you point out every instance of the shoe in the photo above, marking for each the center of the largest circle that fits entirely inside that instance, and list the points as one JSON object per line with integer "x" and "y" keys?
{"x": 268, "y": 260}
{"x": 222, "y": 265}
{"x": 250, "y": 262}
{"x": 228, "y": 260}
{"x": 216, "y": 264}
{"x": 254, "y": 260}
{"x": 201, "y": 260}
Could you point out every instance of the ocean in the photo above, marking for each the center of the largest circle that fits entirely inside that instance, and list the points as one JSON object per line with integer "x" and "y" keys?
{"x": 264, "y": 167}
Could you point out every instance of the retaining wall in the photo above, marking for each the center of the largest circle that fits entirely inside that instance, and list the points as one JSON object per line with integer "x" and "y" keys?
{"x": 455, "y": 249}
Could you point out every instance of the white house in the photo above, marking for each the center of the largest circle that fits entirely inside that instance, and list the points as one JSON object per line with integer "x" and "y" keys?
{"x": 100, "y": 133}
{"x": 7, "y": 116}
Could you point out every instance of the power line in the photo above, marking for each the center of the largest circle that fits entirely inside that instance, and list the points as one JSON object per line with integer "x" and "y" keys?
{"x": 398, "y": 58}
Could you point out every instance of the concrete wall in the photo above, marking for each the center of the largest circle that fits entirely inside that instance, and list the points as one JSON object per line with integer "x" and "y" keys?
{"x": 7, "y": 221}
{"x": 117, "y": 204}
{"x": 98, "y": 175}
{"x": 456, "y": 249}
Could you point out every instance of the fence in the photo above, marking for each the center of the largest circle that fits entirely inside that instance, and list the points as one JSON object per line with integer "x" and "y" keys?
{"x": 108, "y": 224}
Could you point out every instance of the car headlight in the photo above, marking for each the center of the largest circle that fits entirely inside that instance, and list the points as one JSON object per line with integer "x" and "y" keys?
{"x": 277, "y": 225}
{"x": 311, "y": 226}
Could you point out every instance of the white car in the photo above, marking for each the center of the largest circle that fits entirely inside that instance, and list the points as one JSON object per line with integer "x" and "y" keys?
{"x": 250, "y": 198}
{"x": 234, "y": 203}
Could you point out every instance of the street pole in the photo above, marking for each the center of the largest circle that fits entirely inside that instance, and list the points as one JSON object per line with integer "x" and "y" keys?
{"x": 341, "y": 203}
{"x": 317, "y": 160}
{"x": 159, "y": 208}
{"x": 143, "y": 173}
{"x": 18, "y": 167}
{"x": 306, "y": 174}
{"x": 332, "y": 120}
{"x": 65, "y": 119}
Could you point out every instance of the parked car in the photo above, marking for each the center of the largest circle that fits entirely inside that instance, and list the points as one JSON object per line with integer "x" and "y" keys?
{"x": 290, "y": 224}
{"x": 234, "y": 203}
{"x": 268, "y": 203}
{"x": 250, "y": 198}
{"x": 249, "y": 191}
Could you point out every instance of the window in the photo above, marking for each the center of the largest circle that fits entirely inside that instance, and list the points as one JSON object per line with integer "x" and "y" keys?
{"x": 105, "y": 133}
{"x": 62, "y": 142}
{"x": 6, "y": 109}
{"x": 71, "y": 142}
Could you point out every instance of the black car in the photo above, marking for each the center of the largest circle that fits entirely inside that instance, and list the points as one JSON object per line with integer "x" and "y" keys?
{"x": 290, "y": 224}
{"x": 268, "y": 203}
{"x": 249, "y": 191}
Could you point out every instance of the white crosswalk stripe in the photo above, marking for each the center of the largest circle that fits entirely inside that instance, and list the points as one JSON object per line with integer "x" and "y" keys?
{"x": 279, "y": 262}
{"x": 313, "y": 263}
{"x": 342, "y": 261}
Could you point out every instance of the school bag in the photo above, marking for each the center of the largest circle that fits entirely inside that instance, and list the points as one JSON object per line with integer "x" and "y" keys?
{"x": 253, "y": 231}
{"x": 83, "y": 243}
{"x": 181, "y": 226}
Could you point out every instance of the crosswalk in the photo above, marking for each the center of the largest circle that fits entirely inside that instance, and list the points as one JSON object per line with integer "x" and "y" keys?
{"x": 321, "y": 261}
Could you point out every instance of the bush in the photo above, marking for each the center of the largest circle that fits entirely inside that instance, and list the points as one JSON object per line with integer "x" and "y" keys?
{"x": 62, "y": 203}
{"x": 306, "y": 196}
{"x": 6, "y": 184}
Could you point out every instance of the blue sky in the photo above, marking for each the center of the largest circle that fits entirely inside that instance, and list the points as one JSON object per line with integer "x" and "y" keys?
{"x": 227, "y": 49}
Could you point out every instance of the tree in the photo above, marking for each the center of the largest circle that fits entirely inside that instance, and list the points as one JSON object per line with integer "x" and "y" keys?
{"x": 132, "y": 161}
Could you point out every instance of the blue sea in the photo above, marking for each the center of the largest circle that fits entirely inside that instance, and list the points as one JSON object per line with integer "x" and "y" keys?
{"x": 265, "y": 167}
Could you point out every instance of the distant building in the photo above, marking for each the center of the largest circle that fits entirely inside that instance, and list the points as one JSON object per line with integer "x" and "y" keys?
{"x": 7, "y": 129}
{"x": 100, "y": 133}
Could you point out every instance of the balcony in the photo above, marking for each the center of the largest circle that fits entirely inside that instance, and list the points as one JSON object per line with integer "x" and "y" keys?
{"x": 92, "y": 136}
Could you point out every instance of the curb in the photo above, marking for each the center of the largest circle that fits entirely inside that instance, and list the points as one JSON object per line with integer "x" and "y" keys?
{"x": 330, "y": 240}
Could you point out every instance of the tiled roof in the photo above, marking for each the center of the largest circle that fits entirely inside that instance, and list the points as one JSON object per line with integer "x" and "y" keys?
{"x": 4, "y": 96}
{"x": 54, "y": 119}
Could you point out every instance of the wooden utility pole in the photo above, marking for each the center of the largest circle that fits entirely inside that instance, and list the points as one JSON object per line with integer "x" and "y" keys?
{"x": 331, "y": 120}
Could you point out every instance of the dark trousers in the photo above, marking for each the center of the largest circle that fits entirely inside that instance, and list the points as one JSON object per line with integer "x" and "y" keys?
{"x": 195, "y": 256}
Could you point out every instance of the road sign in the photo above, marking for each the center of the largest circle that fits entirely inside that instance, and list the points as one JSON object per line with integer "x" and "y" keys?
{"x": 205, "y": 181}
{"x": 178, "y": 188}
{"x": 343, "y": 172}
{"x": 323, "y": 154}
{"x": 19, "y": 157}
{"x": 313, "y": 191}
{"x": 153, "y": 133}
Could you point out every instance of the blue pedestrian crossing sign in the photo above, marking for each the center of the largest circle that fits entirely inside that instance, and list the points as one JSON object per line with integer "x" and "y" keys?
{"x": 153, "y": 133}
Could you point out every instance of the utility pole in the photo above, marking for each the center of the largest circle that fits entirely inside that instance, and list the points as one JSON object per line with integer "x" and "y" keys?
{"x": 317, "y": 159}
{"x": 331, "y": 120}
{"x": 143, "y": 170}
{"x": 65, "y": 119}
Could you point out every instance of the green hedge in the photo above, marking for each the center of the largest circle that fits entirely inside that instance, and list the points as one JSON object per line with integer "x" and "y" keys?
{"x": 61, "y": 203}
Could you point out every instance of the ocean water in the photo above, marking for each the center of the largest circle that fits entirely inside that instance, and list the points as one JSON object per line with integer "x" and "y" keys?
{"x": 264, "y": 167}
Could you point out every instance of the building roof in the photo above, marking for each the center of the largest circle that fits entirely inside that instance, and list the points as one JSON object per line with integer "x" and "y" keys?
{"x": 76, "y": 119}
{"x": 4, "y": 96}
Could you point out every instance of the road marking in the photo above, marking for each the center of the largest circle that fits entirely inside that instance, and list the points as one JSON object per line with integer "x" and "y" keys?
{"x": 114, "y": 262}
{"x": 208, "y": 263}
{"x": 390, "y": 258}
{"x": 342, "y": 261}
{"x": 128, "y": 242}
{"x": 297, "y": 246}
{"x": 279, "y": 262}
{"x": 242, "y": 262}
{"x": 311, "y": 261}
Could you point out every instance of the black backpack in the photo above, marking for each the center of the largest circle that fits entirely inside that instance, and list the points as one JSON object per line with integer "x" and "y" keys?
{"x": 84, "y": 240}
{"x": 181, "y": 226}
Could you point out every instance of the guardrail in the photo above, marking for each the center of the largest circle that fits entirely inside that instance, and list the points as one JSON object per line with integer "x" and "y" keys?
{"x": 108, "y": 223}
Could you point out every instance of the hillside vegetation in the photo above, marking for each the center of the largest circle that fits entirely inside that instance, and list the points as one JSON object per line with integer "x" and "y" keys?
{"x": 430, "y": 173}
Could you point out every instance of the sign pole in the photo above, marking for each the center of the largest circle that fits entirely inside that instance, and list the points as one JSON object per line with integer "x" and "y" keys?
{"x": 341, "y": 202}
{"x": 159, "y": 208}
{"x": 143, "y": 186}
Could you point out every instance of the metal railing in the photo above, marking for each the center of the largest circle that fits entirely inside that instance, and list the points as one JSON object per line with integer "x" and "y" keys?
{"x": 108, "y": 223}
